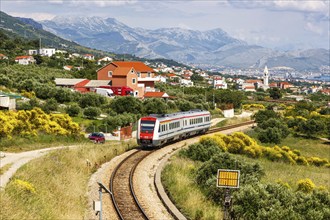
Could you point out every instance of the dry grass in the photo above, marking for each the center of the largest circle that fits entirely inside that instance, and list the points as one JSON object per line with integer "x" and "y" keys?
{"x": 181, "y": 186}
{"x": 60, "y": 180}
{"x": 5, "y": 168}
{"x": 233, "y": 121}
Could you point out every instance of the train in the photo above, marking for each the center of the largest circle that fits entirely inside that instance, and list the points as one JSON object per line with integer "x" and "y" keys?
{"x": 157, "y": 130}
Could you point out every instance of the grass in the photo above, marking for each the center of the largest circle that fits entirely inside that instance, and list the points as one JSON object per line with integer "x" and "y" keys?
{"x": 55, "y": 185}
{"x": 5, "y": 168}
{"x": 180, "y": 184}
{"x": 232, "y": 121}
{"x": 20, "y": 144}
{"x": 284, "y": 172}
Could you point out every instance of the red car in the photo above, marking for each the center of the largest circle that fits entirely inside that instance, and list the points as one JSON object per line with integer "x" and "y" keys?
{"x": 97, "y": 137}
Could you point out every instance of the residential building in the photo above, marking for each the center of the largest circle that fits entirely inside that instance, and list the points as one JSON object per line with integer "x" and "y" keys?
{"x": 285, "y": 85}
{"x": 156, "y": 95}
{"x": 88, "y": 56}
{"x": 47, "y": 52}
{"x": 67, "y": 67}
{"x": 3, "y": 57}
{"x": 25, "y": 60}
{"x": 133, "y": 74}
{"x": 7, "y": 103}
{"x": 186, "y": 82}
{"x": 104, "y": 60}
{"x": 43, "y": 52}
{"x": 219, "y": 82}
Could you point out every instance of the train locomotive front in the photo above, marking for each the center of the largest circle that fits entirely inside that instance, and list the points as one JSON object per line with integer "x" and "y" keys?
{"x": 146, "y": 133}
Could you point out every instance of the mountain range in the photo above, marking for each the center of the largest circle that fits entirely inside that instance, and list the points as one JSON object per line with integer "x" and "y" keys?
{"x": 213, "y": 47}
{"x": 109, "y": 36}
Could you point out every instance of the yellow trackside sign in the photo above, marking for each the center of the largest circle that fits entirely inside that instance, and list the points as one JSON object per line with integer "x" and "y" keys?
{"x": 228, "y": 178}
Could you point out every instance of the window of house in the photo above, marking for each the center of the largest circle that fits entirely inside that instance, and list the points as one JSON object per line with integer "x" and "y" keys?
{"x": 139, "y": 74}
{"x": 149, "y": 74}
{"x": 109, "y": 73}
{"x": 133, "y": 80}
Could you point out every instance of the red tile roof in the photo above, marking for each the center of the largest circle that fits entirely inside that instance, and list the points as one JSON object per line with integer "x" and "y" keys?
{"x": 155, "y": 95}
{"x": 122, "y": 71}
{"x": 253, "y": 81}
{"x": 23, "y": 57}
{"x": 138, "y": 66}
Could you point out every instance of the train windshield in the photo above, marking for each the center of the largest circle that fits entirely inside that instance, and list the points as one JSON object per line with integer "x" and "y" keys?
{"x": 147, "y": 126}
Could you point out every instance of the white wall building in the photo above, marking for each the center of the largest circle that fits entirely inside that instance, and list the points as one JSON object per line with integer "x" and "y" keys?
{"x": 219, "y": 82}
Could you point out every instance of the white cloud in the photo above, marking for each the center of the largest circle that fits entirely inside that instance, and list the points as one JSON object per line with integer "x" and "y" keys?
{"x": 36, "y": 16}
{"x": 306, "y": 6}
{"x": 96, "y": 3}
{"x": 314, "y": 28}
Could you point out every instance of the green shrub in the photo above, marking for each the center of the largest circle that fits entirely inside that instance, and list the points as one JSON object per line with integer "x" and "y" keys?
{"x": 201, "y": 152}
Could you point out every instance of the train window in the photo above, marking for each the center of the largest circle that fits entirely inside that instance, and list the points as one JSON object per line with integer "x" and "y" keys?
{"x": 147, "y": 126}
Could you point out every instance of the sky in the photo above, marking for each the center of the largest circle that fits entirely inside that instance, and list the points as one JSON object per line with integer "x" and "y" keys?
{"x": 276, "y": 24}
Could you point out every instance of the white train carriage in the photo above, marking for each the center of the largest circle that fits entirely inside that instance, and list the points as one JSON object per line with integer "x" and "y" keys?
{"x": 157, "y": 130}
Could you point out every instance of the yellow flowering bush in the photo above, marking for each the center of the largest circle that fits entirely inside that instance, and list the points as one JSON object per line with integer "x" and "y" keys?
{"x": 306, "y": 185}
{"x": 34, "y": 122}
{"x": 253, "y": 106}
{"x": 240, "y": 143}
{"x": 24, "y": 186}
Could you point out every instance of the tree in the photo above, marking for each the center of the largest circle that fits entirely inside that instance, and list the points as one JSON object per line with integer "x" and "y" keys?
{"x": 264, "y": 115}
{"x": 73, "y": 110}
{"x": 275, "y": 93}
{"x": 127, "y": 104}
{"x": 276, "y": 123}
{"x": 92, "y": 99}
{"x": 50, "y": 105}
{"x": 270, "y": 135}
{"x": 92, "y": 112}
{"x": 196, "y": 78}
{"x": 154, "y": 106}
{"x": 312, "y": 127}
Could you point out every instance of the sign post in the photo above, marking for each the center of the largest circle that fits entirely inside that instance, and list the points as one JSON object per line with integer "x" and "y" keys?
{"x": 227, "y": 179}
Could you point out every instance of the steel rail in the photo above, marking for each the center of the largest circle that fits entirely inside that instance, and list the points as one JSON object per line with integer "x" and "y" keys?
{"x": 130, "y": 180}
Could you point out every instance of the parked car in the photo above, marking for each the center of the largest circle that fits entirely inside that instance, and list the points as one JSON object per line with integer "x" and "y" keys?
{"x": 97, "y": 137}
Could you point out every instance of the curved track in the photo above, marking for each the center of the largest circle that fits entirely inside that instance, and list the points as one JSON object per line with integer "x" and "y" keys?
{"x": 121, "y": 186}
{"x": 121, "y": 181}
{"x": 214, "y": 130}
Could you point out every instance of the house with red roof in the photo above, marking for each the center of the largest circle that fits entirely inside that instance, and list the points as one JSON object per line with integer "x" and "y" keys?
{"x": 88, "y": 56}
{"x": 219, "y": 82}
{"x": 67, "y": 67}
{"x": 285, "y": 85}
{"x": 25, "y": 60}
{"x": 3, "y": 57}
{"x": 156, "y": 95}
{"x": 133, "y": 74}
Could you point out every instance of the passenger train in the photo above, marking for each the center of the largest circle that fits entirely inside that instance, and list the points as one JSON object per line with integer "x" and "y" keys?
{"x": 158, "y": 129}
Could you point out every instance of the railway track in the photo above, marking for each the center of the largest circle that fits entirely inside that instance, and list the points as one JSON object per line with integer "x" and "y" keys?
{"x": 121, "y": 182}
{"x": 214, "y": 130}
{"x": 121, "y": 185}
